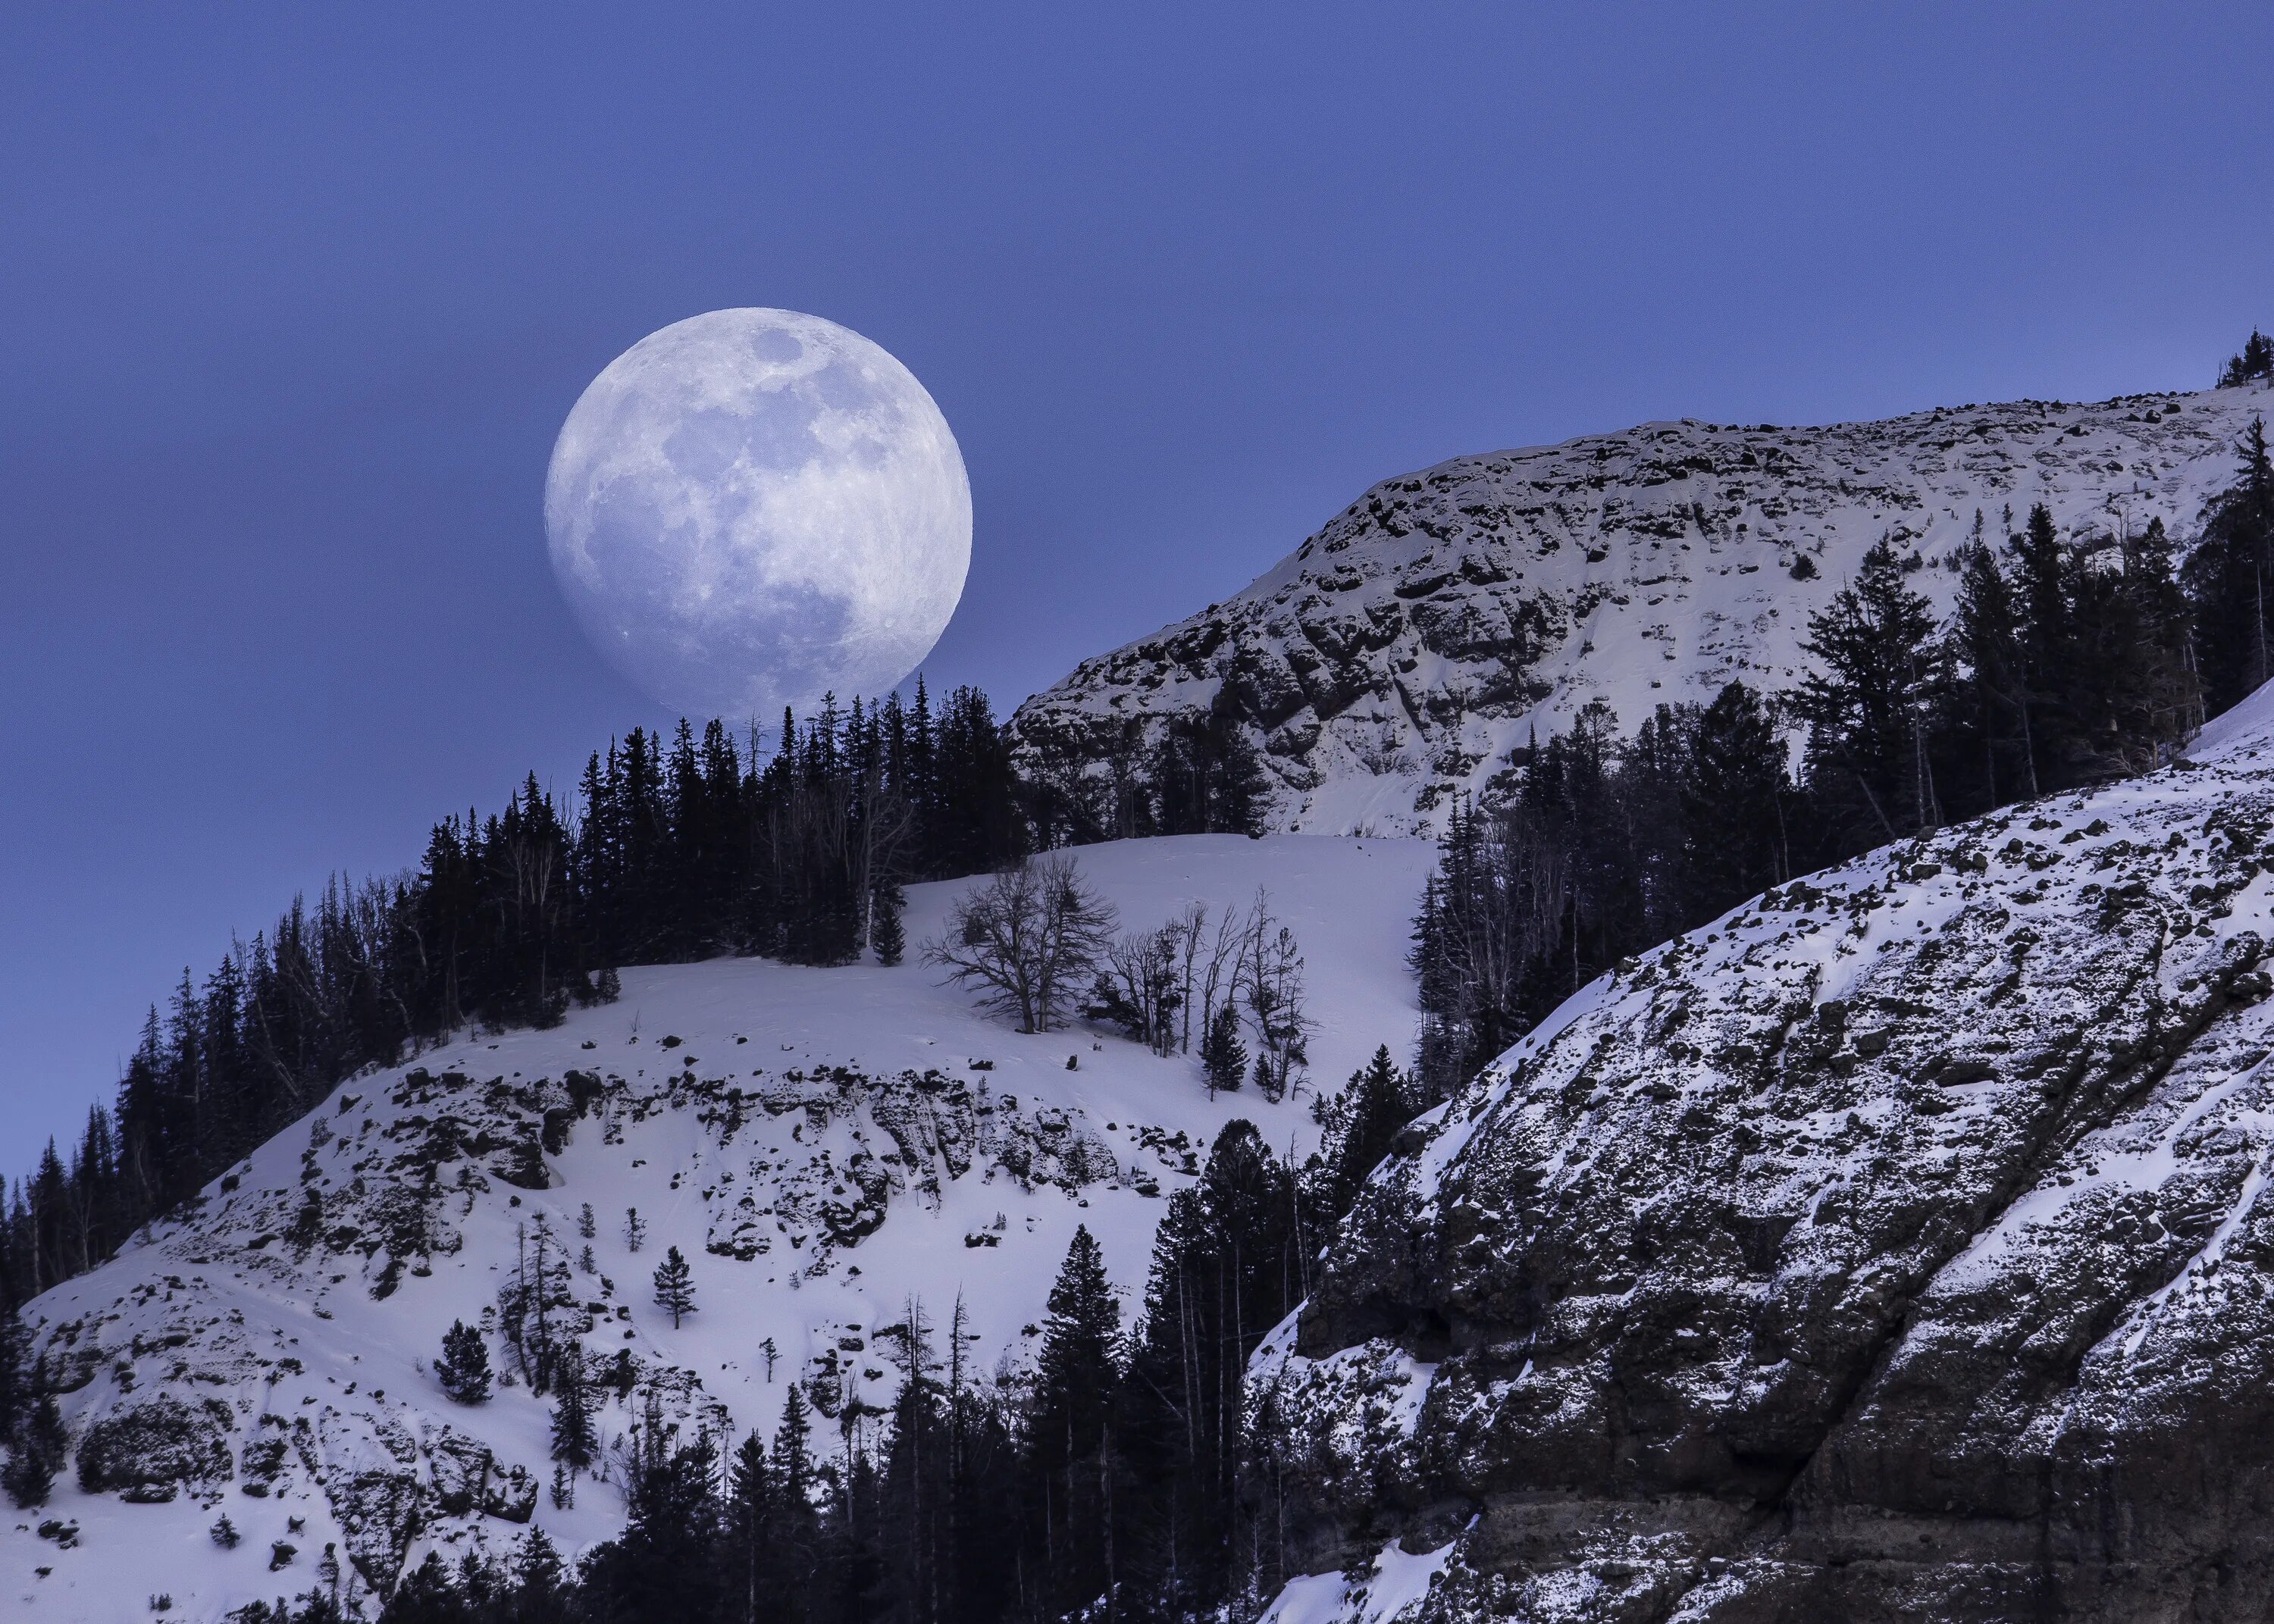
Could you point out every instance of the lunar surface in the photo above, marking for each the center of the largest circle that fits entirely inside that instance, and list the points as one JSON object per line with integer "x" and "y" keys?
{"x": 753, "y": 507}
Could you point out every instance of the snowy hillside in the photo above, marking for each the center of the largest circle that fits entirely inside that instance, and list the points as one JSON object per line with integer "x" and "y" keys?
{"x": 1899, "y": 1245}
{"x": 827, "y": 1146}
{"x": 1430, "y": 626}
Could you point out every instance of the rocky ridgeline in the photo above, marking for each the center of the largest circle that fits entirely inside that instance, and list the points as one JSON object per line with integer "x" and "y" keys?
{"x": 1401, "y": 652}
{"x": 1897, "y": 1247}
{"x": 215, "y": 1373}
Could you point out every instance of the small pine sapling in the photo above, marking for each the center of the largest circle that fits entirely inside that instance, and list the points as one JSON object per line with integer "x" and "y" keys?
{"x": 887, "y": 932}
{"x": 634, "y": 1230}
{"x": 587, "y": 1227}
{"x": 225, "y": 1534}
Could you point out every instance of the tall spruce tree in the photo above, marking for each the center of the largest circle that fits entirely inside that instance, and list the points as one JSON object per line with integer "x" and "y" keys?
{"x": 674, "y": 1287}
{"x": 2227, "y": 580}
{"x": 1731, "y": 799}
{"x": 1071, "y": 1462}
{"x": 2000, "y": 763}
{"x": 576, "y": 1434}
{"x": 1869, "y": 707}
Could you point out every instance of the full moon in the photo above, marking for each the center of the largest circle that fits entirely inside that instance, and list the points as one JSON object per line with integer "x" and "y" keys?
{"x": 754, "y": 508}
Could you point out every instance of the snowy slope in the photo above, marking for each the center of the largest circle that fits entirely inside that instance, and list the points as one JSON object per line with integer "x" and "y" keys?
{"x": 826, "y": 1147}
{"x": 1899, "y": 1245}
{"x": 1402, "y": 651}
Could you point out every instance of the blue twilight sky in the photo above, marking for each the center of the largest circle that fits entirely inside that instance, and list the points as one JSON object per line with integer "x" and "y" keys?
{"x": 293, "y": 298}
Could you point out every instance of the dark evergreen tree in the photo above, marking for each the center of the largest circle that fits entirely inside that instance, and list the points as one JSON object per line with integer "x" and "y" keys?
{"x": 463, "y": 1368}
{"x": 36, "y": 1452}
{"x": 1998, "y": 760}
{"x": 750, "y": 1554}
{"x": 1223, "y": 1057}
{"x": 576, "y": 1435}
{"x": 1357, "y": 1128}
{"x": 664, "y": 1565}
{"x": 17, "y": 1391}
{"x": 2256, "y": 362}
{"x": 1227, "y": 1266}
{"x": 428, "y": 1594}
{"x": 886, "y": 933}
{"x": 674, "y": 1287}
{"x": 1869, "y": 707}
{"x": 1070, "y": 1464}
{"x": 1732, "y": 794}
{"x": 2226, "y": 580}
{"x": 541, "y": 1593}
{"x": 1206, "y": 778}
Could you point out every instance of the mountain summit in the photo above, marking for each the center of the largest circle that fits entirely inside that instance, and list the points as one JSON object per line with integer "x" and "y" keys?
{"x": 1444, "y": 617}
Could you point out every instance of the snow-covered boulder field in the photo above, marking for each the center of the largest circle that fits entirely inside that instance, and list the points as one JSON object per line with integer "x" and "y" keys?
{"x": 1397, "y": 654}
{"x": 1897, "y": 1246}
{"x": 829, "y": 1148}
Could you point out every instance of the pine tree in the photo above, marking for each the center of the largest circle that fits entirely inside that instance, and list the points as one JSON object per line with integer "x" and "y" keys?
{"x": 1071, "y": 1460}
{"x": 576, "y": 1438}
{"x": 463, "y": 1369}
{"x": 1223, "y": 1057}
{"x": 674, "y": 1287}
{"x": 1987, "y": 637}
{"x": 2227, "y": 580}
{"x": 1731, "y": 798}
{"x": 1868, "y": 705}
{"x": 426, "y": 1595}
{"x": 540, "y": 1592}
{"x": 664, "y": 1565}
{"x": 1226, "y": 1266}
{"x": 634, "y": 1230}
{"x": 2255, "y": 362}
{"x": 17, "y": 1391}
{"x": 886, "y": 932}
{"x": 36, "y": 1453}
{"x": 1359, "y": 1125}
{"x": 751, "y": 1514}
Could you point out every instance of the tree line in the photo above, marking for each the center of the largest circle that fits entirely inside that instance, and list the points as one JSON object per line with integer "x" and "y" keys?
{"x": 2070, "y": 661}
{"x": 671, "y": 849}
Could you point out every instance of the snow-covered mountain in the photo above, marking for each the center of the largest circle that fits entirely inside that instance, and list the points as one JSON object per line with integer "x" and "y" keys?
{"x": 1402, "y": 651}
{"x": 1899, "y": 1246}
{"x": 829, "y": 1148}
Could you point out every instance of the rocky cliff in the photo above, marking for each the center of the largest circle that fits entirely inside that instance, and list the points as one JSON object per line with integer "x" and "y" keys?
{"x": 1897, "y": 1247}
{"x": 1399, "y": 654}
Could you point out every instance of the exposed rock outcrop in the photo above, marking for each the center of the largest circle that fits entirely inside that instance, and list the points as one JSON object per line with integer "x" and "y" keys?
{"x": 1897, "y": 1247}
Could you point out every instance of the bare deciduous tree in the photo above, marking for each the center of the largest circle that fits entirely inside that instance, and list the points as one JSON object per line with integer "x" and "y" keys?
{"x": 1272, "y": 983}
{"x": 1029, "y": 940}
{"x": 1139, "y": 987}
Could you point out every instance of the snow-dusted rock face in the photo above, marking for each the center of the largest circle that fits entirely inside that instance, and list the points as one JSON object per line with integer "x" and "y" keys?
{"x": 1402, "y": 651}
{"x": 827, "y": 1147}
{"x": 1897, "y": 1247}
